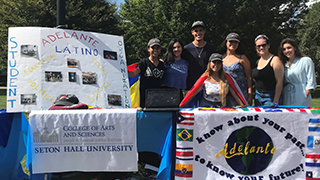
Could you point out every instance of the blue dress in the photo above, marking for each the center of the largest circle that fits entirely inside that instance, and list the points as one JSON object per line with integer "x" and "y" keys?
{"x": 297, "y": 79}
{"x": 237, "y": 72}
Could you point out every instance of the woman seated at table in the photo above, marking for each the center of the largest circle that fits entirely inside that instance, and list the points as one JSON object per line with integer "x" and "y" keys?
{"x": 215, "y": 86}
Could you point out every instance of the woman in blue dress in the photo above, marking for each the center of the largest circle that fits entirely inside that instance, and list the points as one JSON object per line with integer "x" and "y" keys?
{"x": 299, "y": 75}
{"x": 237, "y": 65}
{"x": 176, "y": 67}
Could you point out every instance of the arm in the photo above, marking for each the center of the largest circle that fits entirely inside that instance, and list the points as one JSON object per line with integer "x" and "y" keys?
{"x": 278, "y": 69}
{"x": 235, "y": 96}
{"x": 310, "y": 75}
{"x": 247, "y": 70}
{"x": 134, "y": 73}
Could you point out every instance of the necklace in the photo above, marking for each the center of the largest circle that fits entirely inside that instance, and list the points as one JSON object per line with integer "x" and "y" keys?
{"x": 199, "y": 53}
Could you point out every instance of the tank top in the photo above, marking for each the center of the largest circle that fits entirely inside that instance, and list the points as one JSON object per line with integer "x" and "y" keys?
{"x": 212, "y": 91}
{"x": 264, "y": 78}
{"x": 237, "y": 72}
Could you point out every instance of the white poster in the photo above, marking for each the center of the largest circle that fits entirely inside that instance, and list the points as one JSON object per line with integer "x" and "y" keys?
{"x": 256, "y": 144}
{"x": 83, "y": 140}
{"x": 46, "y": 62}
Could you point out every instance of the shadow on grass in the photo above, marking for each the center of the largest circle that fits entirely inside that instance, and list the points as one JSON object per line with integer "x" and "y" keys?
{"x": 3, "y": 92}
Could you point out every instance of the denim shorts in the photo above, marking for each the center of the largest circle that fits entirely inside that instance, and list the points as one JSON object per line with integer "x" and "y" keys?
{"x": 263, "y": 98}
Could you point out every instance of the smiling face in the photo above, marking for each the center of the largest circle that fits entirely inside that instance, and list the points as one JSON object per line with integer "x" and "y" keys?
{"x": 177, "y": 49}
{"x": 289, "y": 51}
{"x": 154, "y": 50}
{"x": 198, "y": 33}
{"x": 232, "y": 45}
{"x": 215, "y": 65}
{"x": 262, "y": 47}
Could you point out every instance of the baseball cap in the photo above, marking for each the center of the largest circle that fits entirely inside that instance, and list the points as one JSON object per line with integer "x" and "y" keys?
{"x": 66, "y": 100}
{"x": 233, "y": 37}
{"x": 215, "y": 57}
{"x": 153, "y": 42}
{"x": 198, "y": 23}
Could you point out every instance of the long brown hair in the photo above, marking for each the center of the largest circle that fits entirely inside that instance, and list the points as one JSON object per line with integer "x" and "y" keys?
{"x": 223, "y": 84}
{"x": 290, "y": 41}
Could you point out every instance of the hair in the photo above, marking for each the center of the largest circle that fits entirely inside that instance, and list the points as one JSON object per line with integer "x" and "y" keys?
{"x": 240, "y": 50}
{"x": 169, "y": 56}
{"x": 223, "y": 84}
{"x": 290, "y": 41}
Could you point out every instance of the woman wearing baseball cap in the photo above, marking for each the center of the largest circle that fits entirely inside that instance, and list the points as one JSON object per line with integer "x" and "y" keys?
{"x": 214, "y": 85}
{"x": 236, "y": 63}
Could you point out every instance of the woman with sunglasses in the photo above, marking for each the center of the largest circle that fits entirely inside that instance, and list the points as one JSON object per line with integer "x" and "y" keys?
{"x": 268, "y": 75}
{"x": 299, "y": 75}
{"x": 237, "y": 65}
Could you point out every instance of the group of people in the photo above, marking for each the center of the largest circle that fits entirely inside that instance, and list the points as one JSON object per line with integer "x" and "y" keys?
{"x": 225, "y": 79}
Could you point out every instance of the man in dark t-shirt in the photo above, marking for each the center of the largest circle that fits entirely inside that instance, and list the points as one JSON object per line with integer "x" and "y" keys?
{"x": 197, "y": 53}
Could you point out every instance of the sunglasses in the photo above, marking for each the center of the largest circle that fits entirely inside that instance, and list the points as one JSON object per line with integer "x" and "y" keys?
{"x": 262, "y": 45}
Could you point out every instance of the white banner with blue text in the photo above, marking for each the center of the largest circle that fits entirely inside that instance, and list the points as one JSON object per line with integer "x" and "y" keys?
{"x": 44, "y": 63}
{"x": 83, "y": 140}
{"x": 247, "y": 145}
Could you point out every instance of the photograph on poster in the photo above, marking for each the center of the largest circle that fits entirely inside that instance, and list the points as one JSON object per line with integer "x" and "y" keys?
{"x": 72, "y": 63}
{"x": 72, "y": 77}
{"x": 29, "y": 50}
{"x": 52, "y": 76}
{"x": 110, "y": 55}
{"x": 89, "y": 78}
{"x": 27, "y": 99}
{"x": 114, "y": 100}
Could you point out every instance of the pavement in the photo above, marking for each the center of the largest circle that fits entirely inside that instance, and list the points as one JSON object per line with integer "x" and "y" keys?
{"x": 3, "y": 87}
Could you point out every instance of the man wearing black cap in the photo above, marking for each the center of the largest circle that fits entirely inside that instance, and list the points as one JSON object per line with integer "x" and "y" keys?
{"x": 197, "y": 53}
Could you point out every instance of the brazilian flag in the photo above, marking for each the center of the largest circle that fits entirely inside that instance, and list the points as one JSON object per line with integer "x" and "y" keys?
{"x": 185, "y": 135}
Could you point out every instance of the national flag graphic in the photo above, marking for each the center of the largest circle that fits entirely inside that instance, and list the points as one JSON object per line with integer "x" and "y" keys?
{"x": 314, "y": 125}
{"x": 313, "y": 142}
{"x": 184, "y": 135}
{"x": 312, "y": 175}
{"x": 184, "y": 170}
{"x": 188, "y": 118}
{"x": 313, "y": 160}
{"x": 184, "y": 154}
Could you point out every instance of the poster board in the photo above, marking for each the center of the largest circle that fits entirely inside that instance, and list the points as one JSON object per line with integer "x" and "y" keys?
{"x": 46, "y": 62}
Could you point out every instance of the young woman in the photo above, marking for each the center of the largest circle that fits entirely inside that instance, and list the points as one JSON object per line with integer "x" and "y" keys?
{"x": 299, "y": 75}
{"x": 151, "y": 70}
{"x": 215, "y": 85}
{"x": 176, "y": 67}
{"x": 237, "y": 65}
{"x": 268, "y": 75}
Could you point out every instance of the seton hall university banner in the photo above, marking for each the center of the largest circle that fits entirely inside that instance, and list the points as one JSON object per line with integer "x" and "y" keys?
{"x": 248, "y": 144}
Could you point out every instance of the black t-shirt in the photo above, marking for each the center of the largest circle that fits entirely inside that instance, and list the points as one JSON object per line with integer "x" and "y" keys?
{"x": 198, "y": 59}
{"x": 150, "y": 77}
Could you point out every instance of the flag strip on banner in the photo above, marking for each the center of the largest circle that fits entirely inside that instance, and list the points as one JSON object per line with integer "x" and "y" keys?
{"x": 312, "y": 175}
{"x": 184, "y": 170}
{"x": 313, "y": 142}
{"x": 188, "y": 118}
{"x": 314, "y": 125}
{"x": 184, "y": 153}
{"x": 313, "y": 160}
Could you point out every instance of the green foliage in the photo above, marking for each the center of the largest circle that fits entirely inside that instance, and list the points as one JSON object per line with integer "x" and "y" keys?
{"x": 88, "y": 15}
{"x": 309, "y": 36}
{"x": 166, "y": 19}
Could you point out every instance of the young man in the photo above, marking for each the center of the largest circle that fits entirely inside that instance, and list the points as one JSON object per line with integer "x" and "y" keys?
{"x": 197, "y": 53}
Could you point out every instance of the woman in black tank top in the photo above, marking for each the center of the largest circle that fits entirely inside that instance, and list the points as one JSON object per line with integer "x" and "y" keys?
{"x": 268, "y": 75}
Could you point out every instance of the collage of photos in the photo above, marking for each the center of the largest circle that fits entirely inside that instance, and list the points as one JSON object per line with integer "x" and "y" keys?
{"x": 29, "y": 51}
{"x": 110, "y": 55}
{"x": 28, "y": 99}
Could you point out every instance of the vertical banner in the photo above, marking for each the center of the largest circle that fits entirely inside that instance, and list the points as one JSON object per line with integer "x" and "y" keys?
{"x": 46, "y": 62}
{"x": 75, "y": 140}
{"x": 247, "y": 144}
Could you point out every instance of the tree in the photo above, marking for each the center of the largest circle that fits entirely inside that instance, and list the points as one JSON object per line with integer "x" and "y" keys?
{"x": 88, "y": 15}
{"x": 166, "y": 19}
{"x": 309, "y": 36}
